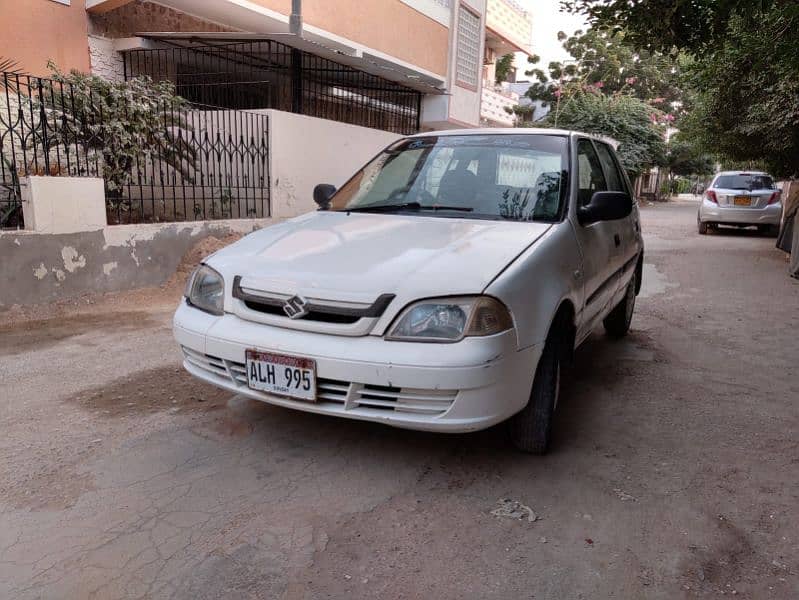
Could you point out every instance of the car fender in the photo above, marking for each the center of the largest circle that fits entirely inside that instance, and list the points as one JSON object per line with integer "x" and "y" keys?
{"x": 535, "y": 285}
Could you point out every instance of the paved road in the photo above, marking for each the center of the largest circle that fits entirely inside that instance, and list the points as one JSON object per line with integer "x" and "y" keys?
{"x": 674, "y": 473}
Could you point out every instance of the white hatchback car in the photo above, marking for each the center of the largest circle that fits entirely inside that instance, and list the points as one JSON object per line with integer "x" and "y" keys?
{"x": 440, "y": 288}
{"x": 741, "y": 199}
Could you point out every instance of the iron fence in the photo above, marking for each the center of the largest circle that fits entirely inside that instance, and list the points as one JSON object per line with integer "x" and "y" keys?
{"x": 270, "y": 74}
{"x": 32, "y": 140}
{"x": 207, "y": 154}
{"x": 190, "y": 164}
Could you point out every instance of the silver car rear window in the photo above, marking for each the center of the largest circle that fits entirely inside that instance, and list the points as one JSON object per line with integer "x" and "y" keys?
{"x": 745, "y": 181}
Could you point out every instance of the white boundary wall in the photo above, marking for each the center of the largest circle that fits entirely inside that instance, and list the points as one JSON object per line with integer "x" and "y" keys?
{"x": 304, "y": 151}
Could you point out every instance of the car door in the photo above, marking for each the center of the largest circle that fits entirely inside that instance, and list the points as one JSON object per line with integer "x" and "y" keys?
{"x": 595, "y": 240}
{"x": 626, "y": 231}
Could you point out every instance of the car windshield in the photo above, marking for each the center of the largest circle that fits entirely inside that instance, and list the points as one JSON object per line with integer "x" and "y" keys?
{"x": 745, "y": 181}
{"x": 515, "y": 177}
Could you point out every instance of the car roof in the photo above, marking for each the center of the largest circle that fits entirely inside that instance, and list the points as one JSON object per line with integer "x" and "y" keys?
{"x": 742, "y": 173}
{"x": 517, "y": 131}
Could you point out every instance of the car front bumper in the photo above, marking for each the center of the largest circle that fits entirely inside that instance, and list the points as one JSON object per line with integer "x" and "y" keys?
{"x": 466, "y": 386}
{"x": 710, "y": 212}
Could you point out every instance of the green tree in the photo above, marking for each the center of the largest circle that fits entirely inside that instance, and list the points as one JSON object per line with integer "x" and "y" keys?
{"x": 744, "y": 73}
{"x": 503, "y": 68}
{"x": 685, "y": 159}
{"x": 685, "y": 162}
{"x": 605, "y": 60}
{"x": 746, "y": 107}
{"x": 695, "y": 26}
{"x": 633, "y": 123}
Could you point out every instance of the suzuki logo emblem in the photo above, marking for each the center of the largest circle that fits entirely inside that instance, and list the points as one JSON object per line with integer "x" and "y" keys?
{"x": 296, "y": 307}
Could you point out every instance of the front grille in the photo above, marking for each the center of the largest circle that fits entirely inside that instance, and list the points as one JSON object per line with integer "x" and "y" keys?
{"x": 320, "y": 310}
{"x": 348, "y": 395}
{"x": 313, "y": 315}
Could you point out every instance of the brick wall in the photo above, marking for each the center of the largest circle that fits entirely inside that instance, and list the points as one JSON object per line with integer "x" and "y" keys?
{"x": 140, "y": 16}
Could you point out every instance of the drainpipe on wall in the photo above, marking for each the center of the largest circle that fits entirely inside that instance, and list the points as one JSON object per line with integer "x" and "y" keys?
{"x": 295, "y": 26}
{"x": 295, "y": 20}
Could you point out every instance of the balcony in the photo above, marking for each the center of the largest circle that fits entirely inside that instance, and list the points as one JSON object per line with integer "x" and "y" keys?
{"x": 509, "y": 28}
{"x": 493, "y": 104}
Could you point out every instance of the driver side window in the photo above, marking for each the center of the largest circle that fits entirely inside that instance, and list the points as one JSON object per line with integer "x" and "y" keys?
{"x": 589, "y": 172}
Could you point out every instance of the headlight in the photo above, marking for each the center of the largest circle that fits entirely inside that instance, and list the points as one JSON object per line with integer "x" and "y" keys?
{"x": 451, "y": 319}
{"x": 205, "y": 290}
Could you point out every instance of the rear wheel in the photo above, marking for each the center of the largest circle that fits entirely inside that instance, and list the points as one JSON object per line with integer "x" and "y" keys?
{"x": 617, "y": 323}
{"x": 702, "y": 227}
{"x": 531, "y": 429}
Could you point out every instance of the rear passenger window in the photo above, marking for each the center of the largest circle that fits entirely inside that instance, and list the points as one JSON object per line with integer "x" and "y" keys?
{"x": 589, "y": 172}
{"x": 615, "y": 178}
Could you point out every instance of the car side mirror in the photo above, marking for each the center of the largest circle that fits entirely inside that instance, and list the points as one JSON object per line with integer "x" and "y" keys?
{"x": 605, "y": 206}
{"x": 322, "y": 194}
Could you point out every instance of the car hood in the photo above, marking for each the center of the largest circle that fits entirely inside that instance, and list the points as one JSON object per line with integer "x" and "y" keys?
{"x": 359, "y": 256}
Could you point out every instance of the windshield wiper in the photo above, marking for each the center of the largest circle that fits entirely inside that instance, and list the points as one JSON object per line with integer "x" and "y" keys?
{"x": 445, "y": 207}
{"x": 408, "y": 206}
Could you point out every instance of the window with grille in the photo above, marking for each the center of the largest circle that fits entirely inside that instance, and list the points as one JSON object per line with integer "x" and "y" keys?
{"x": 468, "y": 49}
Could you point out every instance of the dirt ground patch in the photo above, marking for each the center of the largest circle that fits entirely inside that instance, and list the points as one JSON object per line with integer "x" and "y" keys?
{"x": 23, "y": 336}
{"x": 168, "y": 388}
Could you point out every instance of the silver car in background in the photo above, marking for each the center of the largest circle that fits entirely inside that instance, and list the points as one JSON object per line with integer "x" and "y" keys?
{"x": 741, "y": 199}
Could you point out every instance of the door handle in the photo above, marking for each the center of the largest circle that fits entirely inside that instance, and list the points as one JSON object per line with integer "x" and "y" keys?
{"x": 617, "y": 240}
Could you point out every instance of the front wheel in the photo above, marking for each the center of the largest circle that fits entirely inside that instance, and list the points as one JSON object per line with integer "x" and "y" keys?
{"x": 531, "y": 429}
{"x": 617, "y": 323}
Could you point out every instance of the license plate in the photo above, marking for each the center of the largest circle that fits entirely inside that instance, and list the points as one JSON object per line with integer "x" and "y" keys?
{"x": 281, "y": 375}
{"x": 742, "y": 201}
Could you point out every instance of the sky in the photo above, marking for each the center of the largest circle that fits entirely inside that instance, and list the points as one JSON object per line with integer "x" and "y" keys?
{"x": 547, "y": 21}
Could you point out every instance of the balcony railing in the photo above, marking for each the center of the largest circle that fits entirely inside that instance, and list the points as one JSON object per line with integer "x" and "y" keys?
{"x": 509, "y": 20}
{"x": 493, "y": 104}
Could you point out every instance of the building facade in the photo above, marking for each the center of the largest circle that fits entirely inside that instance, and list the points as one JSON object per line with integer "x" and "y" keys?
{"x": 399, "y": 65}
{"x": 508, "y": 30}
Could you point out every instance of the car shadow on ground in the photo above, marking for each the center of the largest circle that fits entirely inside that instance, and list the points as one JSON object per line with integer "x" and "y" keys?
{"x": 598, "y": 369}
{"x": 740, "y": 232}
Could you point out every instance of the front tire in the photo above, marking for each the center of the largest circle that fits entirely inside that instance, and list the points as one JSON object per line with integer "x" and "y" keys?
{"x": 617, "y": 323}
{"x": 531, "y": 429}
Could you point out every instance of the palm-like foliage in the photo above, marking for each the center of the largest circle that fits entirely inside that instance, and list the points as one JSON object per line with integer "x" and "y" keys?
{"x": 10, "y": 67}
